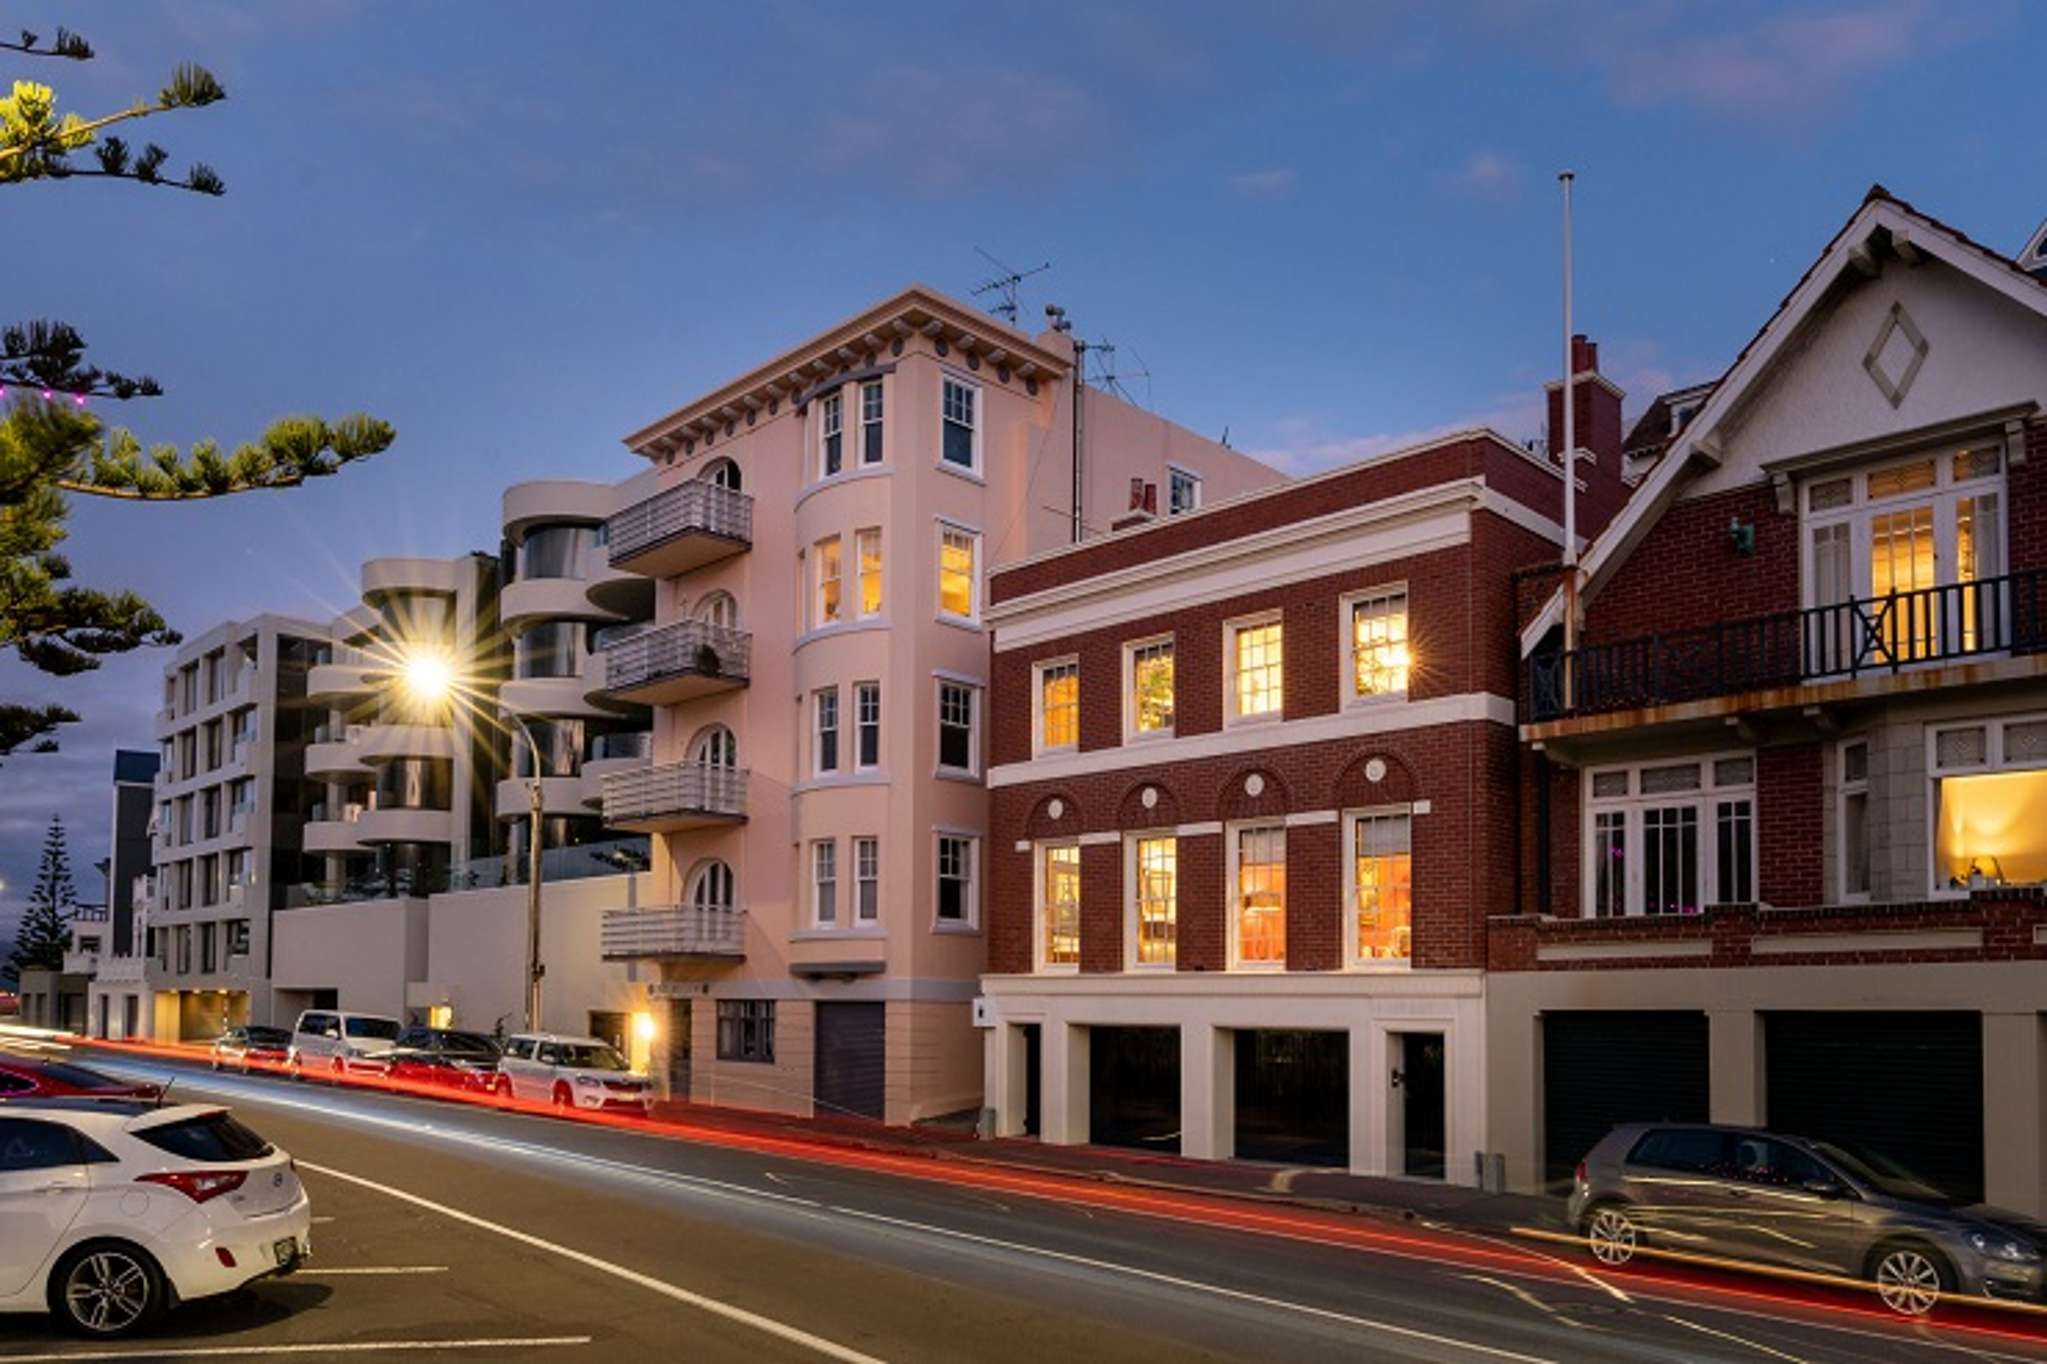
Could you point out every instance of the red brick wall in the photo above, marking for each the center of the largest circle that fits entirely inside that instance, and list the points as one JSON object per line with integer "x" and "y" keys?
{"x": 1788, "y": 836}
{"x": 1686, "y": 573}
{"x": 2027, "y": 515}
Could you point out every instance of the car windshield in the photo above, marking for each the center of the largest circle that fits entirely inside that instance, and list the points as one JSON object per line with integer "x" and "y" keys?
{"x": 77, "y": 1077}
{"x": 468, "y": 1041}
{"x": 209, "y": 1137}
{"x": 269, "y": 1037}
{"x": 584, "y": 1056}
{"x": 1883, "y": 1174}
{"x": 386, "y": 1028}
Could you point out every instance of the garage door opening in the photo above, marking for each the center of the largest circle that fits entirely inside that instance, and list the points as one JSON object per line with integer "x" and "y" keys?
{"x": 1603, "y": 1068}
{"x": 850, "y": 1069}
{"x": 1134, "y": 1088}
{"x": 1293, "y": 1096}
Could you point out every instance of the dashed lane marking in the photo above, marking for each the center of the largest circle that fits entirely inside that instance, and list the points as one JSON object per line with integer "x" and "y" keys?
{"x": 328, "y": 1270}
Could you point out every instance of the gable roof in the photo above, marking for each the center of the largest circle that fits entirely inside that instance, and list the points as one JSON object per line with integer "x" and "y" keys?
{"x": 1882, "y": 220}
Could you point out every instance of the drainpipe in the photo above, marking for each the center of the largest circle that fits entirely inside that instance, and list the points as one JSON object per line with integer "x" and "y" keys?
{"x": 1079, "y": 437}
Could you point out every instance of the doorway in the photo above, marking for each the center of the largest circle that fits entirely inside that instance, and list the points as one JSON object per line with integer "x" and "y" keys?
{"x": 679, "y": 1042}
{"x": 1034, "y": 1078}
{"x": 1418, "y": 1076}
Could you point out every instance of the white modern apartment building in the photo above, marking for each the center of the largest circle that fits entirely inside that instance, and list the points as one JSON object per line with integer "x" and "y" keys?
{"x": 818, "y": 544}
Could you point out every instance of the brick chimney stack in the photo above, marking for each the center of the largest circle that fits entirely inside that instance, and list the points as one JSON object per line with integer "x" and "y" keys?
{"x": 1599, "y": 431}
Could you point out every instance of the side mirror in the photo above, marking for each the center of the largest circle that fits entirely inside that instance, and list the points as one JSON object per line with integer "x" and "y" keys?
{"x": 1826, "y": 1188}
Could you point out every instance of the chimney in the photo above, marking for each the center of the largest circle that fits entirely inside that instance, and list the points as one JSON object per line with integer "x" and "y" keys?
{"x": 1599, "y": 432}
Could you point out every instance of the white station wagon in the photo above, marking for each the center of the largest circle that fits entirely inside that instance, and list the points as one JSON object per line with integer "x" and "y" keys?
{"x": 571, "y": 1073}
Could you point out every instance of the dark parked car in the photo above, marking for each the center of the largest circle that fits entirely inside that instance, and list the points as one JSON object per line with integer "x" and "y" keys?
{"x": 1823, "y": 1207}
{"x": 251, "y": 1048}
{"x": 27, "y": 1077}
{"x": 442, "y": 1058}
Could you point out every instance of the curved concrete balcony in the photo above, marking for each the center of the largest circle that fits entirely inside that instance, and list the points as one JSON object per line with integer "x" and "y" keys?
{"x": 673, "y": 931}
{"x": 629, "y": 596}
{"x": 387, "y": 577}
{"x": 547, "y": 696}
{"x": 677, "y": 662}
{"x": 673, "y": 796}
{"x": 358, "y": 622}
{"x": 343, "y": 835}
{"x": 558, "y": 796}
{"x": 680, "y": 528}
{"x": 539, "y": 599}
{"x": 405, "y": 826}
{"x": 345, "y": 680}
{"x": 381, "y": 743}
{"x": 552, "y": 501}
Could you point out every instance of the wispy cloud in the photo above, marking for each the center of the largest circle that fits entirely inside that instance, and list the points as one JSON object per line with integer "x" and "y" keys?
{"x": 1487, "y": 175}
{"x": 920, "y": 125}
{"x": 1305, "y": 445}
{"x": 1277, "y": 183}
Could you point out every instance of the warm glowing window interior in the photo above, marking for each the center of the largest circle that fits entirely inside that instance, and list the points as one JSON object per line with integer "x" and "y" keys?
{"x": 1259, "y": 690}
{"x": 1158, "y": 899}
{"x": 1059, "y": 705}
{"x": 1991, "y": 829}
{"x": 868, "y": 543}
{"x": 1379, "y": 651}
{"x": 1062, "y": 904}
{"x": 1384, "y": 872}
{"x": 956, "y": 573}
{"x": 828, "y": 580}
{"x": 1261, "y": 896}
{"x": 1151, "y": 687}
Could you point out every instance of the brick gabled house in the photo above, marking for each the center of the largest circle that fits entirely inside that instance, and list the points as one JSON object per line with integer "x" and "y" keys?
{"x": 1786, "y": 802}
{"x": 1253, "y": 800}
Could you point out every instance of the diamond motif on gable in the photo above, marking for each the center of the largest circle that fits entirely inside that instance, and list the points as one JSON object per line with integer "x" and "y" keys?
{"x": 1897, "y": 354}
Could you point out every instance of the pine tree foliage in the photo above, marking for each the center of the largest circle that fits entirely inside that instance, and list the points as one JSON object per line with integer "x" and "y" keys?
{"x": 36, "y": 142}
{"x": 45, "y": 931}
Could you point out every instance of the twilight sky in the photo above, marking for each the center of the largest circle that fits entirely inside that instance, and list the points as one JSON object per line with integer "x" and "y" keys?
{"x": 518, "y": 230}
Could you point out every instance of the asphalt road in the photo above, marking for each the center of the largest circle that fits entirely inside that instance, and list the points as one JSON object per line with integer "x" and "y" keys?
{"x": 449, "y": 1231}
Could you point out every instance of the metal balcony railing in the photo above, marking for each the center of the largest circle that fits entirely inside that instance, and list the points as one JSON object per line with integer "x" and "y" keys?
{"x": 674, "y": 789}
{"x": 694, "y": 508}
{"x": 1990, "y": 616}
{"x": 672, "y": 931}
{"x": 688, "y": 648}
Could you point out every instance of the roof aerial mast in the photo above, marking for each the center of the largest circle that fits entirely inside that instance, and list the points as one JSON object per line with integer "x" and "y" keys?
{"x": 1005, "y": 285}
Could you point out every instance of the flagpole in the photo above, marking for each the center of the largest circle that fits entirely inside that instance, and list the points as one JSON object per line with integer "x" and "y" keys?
{"x": 1570, "y": 461}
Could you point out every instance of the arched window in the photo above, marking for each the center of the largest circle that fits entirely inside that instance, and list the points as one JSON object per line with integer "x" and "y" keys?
{"x": 719, "y": 608}
{"x": 715, "y": 746}
{"x": 722, "y": 473}
{"x": 711, "y": 888}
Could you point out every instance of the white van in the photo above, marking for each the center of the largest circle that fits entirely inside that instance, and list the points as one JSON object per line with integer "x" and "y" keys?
{"x": 333, "y": 1042}
{"x": 571, "y": 1072}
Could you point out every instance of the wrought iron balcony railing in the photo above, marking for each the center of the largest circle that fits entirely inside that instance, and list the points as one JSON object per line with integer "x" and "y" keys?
{"x": 1989, "y": 616}
{"x": 688, "y": 509}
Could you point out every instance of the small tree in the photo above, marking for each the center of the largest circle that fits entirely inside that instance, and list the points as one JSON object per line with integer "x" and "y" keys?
{"x": 45, "y": 932}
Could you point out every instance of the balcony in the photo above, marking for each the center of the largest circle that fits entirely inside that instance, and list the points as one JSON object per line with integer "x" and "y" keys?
{"x": 1843, "y": 643}
{"x": 674, "y": 931}
{"x": 681, "y": 528}
{"x": 332, "y": 829}
{"x": 674, "y": 796}
{"x": 677, "y": 662}
{"x": 335, "y": 753}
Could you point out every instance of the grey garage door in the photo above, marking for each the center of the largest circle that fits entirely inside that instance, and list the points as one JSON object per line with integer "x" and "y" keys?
{"x": 851, "y": 1067}
{"x": 1908, "y": 1085}
{"x": 1602, "y": 1068}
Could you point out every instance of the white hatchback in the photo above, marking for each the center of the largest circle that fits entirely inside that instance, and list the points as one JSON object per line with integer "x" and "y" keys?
{"x": 111, "y": 1210}
{"x": 571, "y": 1072}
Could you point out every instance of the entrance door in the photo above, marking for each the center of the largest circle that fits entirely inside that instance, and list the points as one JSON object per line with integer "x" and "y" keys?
{"x": 1420, "y": 1080}
{"x": 850, "y": 1072}
{"x": 1034, "y": 1078}
{"x": 679, "y": 1041}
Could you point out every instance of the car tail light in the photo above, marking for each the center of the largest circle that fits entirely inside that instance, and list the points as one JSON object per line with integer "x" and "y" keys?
{"x": 225, "y": 1256}
{"x": 1580, "y": 1175}
{"x": 197, "y": 1185}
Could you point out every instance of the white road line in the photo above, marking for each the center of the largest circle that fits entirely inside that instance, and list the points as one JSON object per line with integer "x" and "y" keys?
{"x": 1326, "y": 1314}
{"x": 767, "y": 1325}
{"x": 1739, "y": 1340}
{"x": 357, "y": 1347}
{"x": 374, "y": 1269}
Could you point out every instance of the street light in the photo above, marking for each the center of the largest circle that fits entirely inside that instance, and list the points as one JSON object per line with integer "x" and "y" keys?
{"x": 430, "y": 679}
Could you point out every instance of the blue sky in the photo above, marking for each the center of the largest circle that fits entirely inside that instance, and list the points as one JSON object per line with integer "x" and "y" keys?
{"x": 519, "y": 230}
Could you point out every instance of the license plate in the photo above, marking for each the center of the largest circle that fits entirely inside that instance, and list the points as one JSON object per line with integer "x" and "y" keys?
{"x": 286, "y": 1250}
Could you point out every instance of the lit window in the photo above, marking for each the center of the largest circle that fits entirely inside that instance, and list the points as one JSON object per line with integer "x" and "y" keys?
{"x": 867, "y": 724}
{"x": 825, "y": 557}
{"x": 1671, "y": 837}
{"x": 1990, "y": 805}
{"x": 956, "y": 726}
{"x": 826, "y": 747}
{"x": 955, "y": 879}
{"x": 1058, "y": 705}
{"x": 1257, "y": 688}
{"x": 1156, "y": 864}
{"x": 831, "y": 417}
{"x": 867, "y": 544}
{"x": 956, "y": 553}
{"x": 1382, "y": 886}
{"x": 824, "y": 862}
{"x": 962, "y": 431}
{"x": 1183, "y": 491}
{"x": 870, "y": 422}
{"x": 1059, "y": 905}
{"x": 1260, "y": 852}
{"x": 1378, "y": 644}
{"x": 1150, "y": 670}
{"x": 867, "y": 879}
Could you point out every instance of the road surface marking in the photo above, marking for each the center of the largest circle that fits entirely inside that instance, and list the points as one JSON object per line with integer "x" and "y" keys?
{"x": 1526, "y": 1297}
{"x": 1587, "y": 1275}
{"x": 1739, "y": 1340}
{"x": 1283, "y": 1181}
{"x": 358, "y": 1347}
{"x": 767, "y": 1325}
{"x": 1327, "y": 1314}
{"x": 376, "y": 1269}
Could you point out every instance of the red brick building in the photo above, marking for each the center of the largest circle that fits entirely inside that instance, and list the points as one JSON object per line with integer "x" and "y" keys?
{"x": 1785, "y": 807}
{"x": 1253, "y": 780}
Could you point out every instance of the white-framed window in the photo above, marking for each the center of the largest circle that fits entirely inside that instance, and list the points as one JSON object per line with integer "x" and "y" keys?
{"x": 721, "y": 473}
{"x": 960, "y": 413}
{"x": 1670, "y": 836}
{"x": 959, "y": 743}
{"x": 866, "y": 880}
{"x": 1151, "y": 881}
{"x": 1377, "y": 660}
{"x": 824, "y": 881}
{"x": 714, "y": 746}
{"x": 826, "y": 571}
{"x": 959, "y": 578}
{"x": 1378, "y": 849}
{"x": 719, "y": 608}
{"x": 831, "y": 418}
{"x": 1257, "y": 881}
{"x": 1148, "y": 688}
{"x": 1058, "y": 906}
{"x": 1183, "y": 490}
{"x": 1254, "y": 685}
{"x": 867, "y": 547}
{"x": 870, "y": 422}
{"x": 1852, "y": 826}
{"x": 1055, "y": 701}
{"x": 1934, "y": 520}
{"x": 711, "y": 888}
{"x": 958, "y": 859}
{"x": 1988, "y": 805}
{"x": 866, "y": 725}
{"x": 825, "y": 730}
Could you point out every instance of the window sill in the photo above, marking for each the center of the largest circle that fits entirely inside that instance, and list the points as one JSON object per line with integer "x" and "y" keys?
{"x": 956, "y": 774}
{"x": 1056, "y": 969}
{"x": 970, "y": 475}
{"x": 1375, "y": 700}
{"x": 1148, "y": 736}
{"x": 959, "y": 622}
{"x": 820, "y": 934}
{"x": 828, "y": 781}
{"x": 1254, "y": 721}
{"x": 956, "y": 929}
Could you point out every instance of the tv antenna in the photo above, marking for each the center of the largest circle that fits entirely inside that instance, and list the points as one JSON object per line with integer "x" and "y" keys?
{"x": 1109, "y": 378}
{"x": 1005, "y": 285}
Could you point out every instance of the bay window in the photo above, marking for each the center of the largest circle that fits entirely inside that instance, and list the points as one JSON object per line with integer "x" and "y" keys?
{"x": 831, "y": 423}
{"x": 867, "y": 879}
{"x": 825, "y": 733}
{"x": 1670, "y": 837}
{"x": 870, "y": 422}
{"x": 825, "y": 568}
{"x": 867, "y": 546}
{"x": 824, "y": 866}
{"x": 867, "y": 725}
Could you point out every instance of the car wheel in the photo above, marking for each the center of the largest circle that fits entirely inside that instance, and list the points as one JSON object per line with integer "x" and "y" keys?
{"x": 501, "y": 1089}
{"x": 1910, "y": 1277}
{"x": 336, "y": 1071}
{"x": 1611, "y": 1234}
{"x": 105, "y": 1289}
{"x": 213, "y": 1062}
{"x": 564, "y": 1101}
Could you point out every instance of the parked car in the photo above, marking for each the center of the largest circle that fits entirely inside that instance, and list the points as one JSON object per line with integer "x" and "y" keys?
{"x": 335, "y": 1042}
{"x": 571, "y": 1073}
{"x": 29, "y": 1077}
{"x": 253, "y": 1047}
{"x": 442, "y": 1057}
{"x": 1823, "y": 1207}
{"x": 116, "y": 1209}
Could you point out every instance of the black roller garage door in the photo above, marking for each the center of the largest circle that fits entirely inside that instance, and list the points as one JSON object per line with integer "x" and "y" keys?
{"x": 851, "y": 1069}
{"x": 1601, "y": 1068}
{"x": 1293, "y": 1096}
{"x": 1907, "y": 1085}
{"x": 1134, "y": 1087}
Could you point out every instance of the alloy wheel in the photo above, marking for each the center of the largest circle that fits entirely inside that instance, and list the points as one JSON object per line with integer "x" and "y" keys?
{"x": 1611, "y": 1236}
{"x": 107, "y": 1292}
{"x": 1908, "y": 1281}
